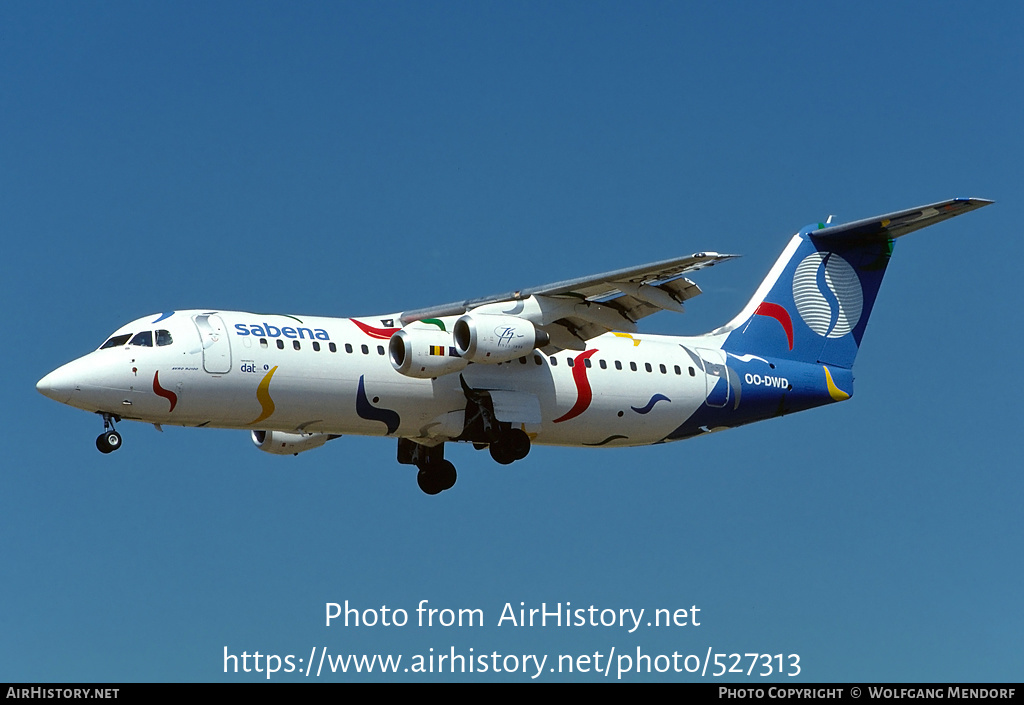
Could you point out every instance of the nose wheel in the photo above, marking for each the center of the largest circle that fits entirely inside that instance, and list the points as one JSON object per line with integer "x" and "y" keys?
{"x": 110, "y": 439}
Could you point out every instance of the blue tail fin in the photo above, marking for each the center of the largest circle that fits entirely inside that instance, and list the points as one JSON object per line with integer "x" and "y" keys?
{"x": 815, "y": 302}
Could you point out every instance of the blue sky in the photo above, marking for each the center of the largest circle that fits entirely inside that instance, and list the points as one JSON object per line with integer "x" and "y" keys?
{"x": 360, "y": 158}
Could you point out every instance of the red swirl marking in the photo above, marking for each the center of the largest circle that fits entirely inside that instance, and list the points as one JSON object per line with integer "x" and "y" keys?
{"x": 585, "y": 395}
{"x": 379, "y": 333}
{"x": 781, "y": 315}
{"x": 165, "y": 393}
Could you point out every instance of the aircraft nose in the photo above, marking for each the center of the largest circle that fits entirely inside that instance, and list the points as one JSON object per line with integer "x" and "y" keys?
{"x": 57, "y": 386}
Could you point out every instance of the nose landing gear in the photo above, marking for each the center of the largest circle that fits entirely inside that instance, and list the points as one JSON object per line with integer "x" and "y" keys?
{"x": 110, "y": 439}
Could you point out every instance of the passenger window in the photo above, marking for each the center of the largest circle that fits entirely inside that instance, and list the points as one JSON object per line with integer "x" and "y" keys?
{"x": 280, "y": 344}
{"x": 348, "y": 347}
{"x": 647, "y": 366}
{"x": 116, "y": 342}
{"x": 263, "y": 342}
{"x": 586, "y": 363}
{"x": 618, "y": 365}
{"x": 678, "y": 371}
{"x": 316, "y": 346}
{"x": 380, "y": 349}
{"x": 692, "y": 373}
{"x": 163, "y": 337}
{"x": 604, "y": 365}
{"x": 632, "y": 366}
{"x": 295, "y": 344}
{"x": 144, "y": 339}
{"x": 536, "y": 359}
{"x": 554, "y": 362}
{"x": 334, "y": 348}
{"x": 569, "y": 361}
{"x": 663, "y": 370}
{"x": 366, "y": 350}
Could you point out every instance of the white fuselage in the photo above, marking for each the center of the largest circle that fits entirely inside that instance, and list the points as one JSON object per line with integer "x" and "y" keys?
{"x": 307, "y": 374}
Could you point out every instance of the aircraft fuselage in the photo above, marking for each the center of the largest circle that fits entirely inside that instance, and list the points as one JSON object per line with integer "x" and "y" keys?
{"x": 229, "y": 369}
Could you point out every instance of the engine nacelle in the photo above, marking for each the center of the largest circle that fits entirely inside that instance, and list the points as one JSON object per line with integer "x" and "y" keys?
{"x": 489, "y": 338}
{"x": 281, "y": 443}
{"x": 424, "y": 353}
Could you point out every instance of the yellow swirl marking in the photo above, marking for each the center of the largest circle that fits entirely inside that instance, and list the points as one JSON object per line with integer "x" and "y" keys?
{"x": 263, "y": 397}
{"x": 834, "y": 391}
{"x": 627, "y": 335}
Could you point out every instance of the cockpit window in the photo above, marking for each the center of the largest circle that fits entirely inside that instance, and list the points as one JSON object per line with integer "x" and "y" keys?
{"x": 145, "y": 339}
{"x": 163, "y": 337}
{"x": 116, "y": 341}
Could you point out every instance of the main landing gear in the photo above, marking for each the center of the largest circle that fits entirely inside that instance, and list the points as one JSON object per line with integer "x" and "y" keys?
{"x": 510, "y": 445}
{"x": 435, "y": 473}
{"x": 110, "y": 439}
{"x": 436, "y": 477}
{"x": 506, "y": 444}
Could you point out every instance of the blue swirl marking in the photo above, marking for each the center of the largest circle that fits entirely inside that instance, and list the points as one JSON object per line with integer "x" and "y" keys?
{"x": 650, "y": 405}
{"x": 367, "y": 411}
{"x": 162, "y": 316}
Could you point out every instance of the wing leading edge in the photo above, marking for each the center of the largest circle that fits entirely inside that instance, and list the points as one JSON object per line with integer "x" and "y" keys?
{"x": 576, "y": 310}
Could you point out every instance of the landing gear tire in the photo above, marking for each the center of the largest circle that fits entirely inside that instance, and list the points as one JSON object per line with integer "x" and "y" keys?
{"x": 511, "y": 446}
{"x": 108, "y": 441}
{"x": 427, "y": 482}
{"x": 436, "y": 477}
{"x": 446, "y": 473}
{"x": 502, "y": 453}
{"x": 519, "y": 442}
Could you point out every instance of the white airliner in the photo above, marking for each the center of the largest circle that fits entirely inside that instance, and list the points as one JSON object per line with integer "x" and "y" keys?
{"x": 561, "y": 364}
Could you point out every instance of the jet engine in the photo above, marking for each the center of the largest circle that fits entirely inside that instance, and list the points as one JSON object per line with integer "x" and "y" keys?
{"x": 424, "y": 353}
{"x": 281, "y": 443}
{"x": 492, "y": 338}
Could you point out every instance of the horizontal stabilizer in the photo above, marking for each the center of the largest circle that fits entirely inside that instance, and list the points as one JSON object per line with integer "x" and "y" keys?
{"x": 894, "y": 225}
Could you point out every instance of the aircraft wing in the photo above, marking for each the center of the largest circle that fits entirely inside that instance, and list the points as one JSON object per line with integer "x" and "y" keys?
{"x": 899, "y": 223}
{"x": 591, "y": 306}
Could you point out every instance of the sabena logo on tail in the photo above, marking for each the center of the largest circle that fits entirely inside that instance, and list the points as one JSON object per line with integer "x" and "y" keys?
{"x": 828, "y": 294}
